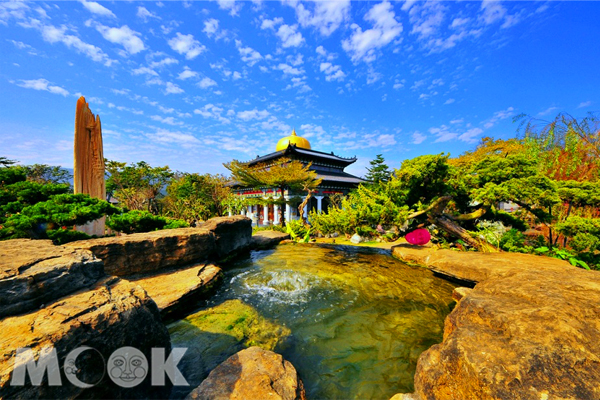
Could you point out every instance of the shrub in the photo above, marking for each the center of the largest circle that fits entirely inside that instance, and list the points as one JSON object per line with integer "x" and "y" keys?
{"x": 137, "y": 221}
{"x": 62, "y": 236}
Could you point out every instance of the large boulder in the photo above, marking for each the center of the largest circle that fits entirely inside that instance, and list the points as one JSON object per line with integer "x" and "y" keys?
{"x": 267, "y": 239}
{"x": 252, "y": 373}
{"x": 473, "y": 267}
{"x": 113, "y": 314}
{"x": 525, "y": 335}
{"x": 178, "y": 290}
{"x": 529, "y": 329}
{"x": 232, "y": 234}
{"x": 35, "y": 272}
{"x": 152, "y": 251}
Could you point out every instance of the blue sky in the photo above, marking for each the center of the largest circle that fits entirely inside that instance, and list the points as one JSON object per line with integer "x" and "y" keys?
{"x": 195, "y": 84}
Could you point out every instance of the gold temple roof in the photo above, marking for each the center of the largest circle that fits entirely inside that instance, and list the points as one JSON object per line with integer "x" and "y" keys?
{"x": 294, "y": 139}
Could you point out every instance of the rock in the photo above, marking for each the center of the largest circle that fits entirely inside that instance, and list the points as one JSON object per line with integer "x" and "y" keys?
{"x": 152, "y": 251}
{"x": 335, "y": 234}
{"x": 35, "y": 272}
{"x": 356, "y": 239}
{"x": 252, "y": 373}
{"x": 214, "y": 334}
{"x": 472, "y": 267}
{"x": 113, "y": 314}
{"x": 267, "y": 239}
{"x": 526, "y": 335}
{"x": 527, "y": 330}
{"x": 176, "y": 291}
{"x": 460, "y": 292}
{"x": 232, "y": 234}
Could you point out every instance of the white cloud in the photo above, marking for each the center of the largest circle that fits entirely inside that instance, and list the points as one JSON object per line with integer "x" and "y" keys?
{"x": 165, "y": 120}
{"x": 584, "y": 104}
{"x": 289, "y": 36}
{"x": 324, "y": 53}
{"x": 165, "y": 136}
{"x": 187, "y": 73}
{"x": 493, "y": 11}
{"x": 289, "y": 70}
{"x": 231, "y": 5}
{"x": 53, "y": 34}
{"x": 362, "y": 45}
{"x": 206, "y": 83}
{"x": 326, "y": 16}
{"x": 172, "y": 88}
{"x": 399, "y": 84}
{"x": 332, "y": 72}
{"x": 470, "y": 135}
{"x": 186, "y": 44}
{"x": 236, "y": 76}
{"x": 144, "y": 71}
{"x": 124, "y": 36}
{"x": 98, "y": 9}
{"x": 42, "y": 84}
{"x": 252, "y": 114}
{"x": 449, "y": 101}
{"x": 212, "y": 111}
{"x": 211, "y": 26}
{"x": 498, "y": 116}
{"x": 270, "y": 23}
{"x": 456, "y": 22}
{"x": 163, "y": 62}
{"x": 144, "y": 14}
{"x": 249, "y": 55}
{"x": 418, "y": 137}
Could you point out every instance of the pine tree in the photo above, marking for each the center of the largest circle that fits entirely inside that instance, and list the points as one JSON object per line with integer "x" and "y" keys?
{"x": 379, "y": 171}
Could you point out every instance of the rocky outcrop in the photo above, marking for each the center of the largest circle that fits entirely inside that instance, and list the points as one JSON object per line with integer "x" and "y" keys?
{"x": 252, "y": 373}
{"x": 177, "y": 291}
{"x": 35, "y": 272}
{"x": 473, "y": 267}
{"x": 112, "y": 314}
{"x": 232, "y": 234}
{"x": 152, "y": 251}
{"x": 528, "y": 330}
{"x": 267, "y": 239}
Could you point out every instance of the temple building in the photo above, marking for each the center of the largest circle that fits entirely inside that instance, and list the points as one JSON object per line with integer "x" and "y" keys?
{"x": 328, "y": 166}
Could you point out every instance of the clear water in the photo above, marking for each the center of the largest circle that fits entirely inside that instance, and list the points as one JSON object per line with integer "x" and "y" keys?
{"x": 353, "y": 321}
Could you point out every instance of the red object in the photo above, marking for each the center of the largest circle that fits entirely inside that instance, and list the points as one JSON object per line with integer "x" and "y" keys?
{"x": 419, "y": 237}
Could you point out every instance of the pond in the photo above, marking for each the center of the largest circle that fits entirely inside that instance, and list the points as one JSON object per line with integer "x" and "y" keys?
{"x": 353, "y": 321}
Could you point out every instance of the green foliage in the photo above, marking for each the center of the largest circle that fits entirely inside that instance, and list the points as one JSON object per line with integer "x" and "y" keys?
{"x": 362, "y": 207}
{"x": 420, "y": 180}
{"x": 44, "y": 173}
{"x": 277, "y": 228}
{"x": 62, "y": 236}
{"x": 298, "y": 231}
{"x": 195, "y": 197}
{"x": 379, "y": 172}
{"x": 513, "y": 241}
{"x": 59, "y": 210}
{"x": 138, "y": 186}
{"x": 563, "y": 255}
{"x": 137, "y": 221}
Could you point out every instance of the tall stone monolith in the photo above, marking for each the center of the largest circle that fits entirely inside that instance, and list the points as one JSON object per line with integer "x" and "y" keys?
{"x": 89, "y": 161}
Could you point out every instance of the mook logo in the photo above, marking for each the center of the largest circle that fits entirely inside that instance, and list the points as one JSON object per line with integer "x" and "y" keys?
{"x": 126, "y": 367}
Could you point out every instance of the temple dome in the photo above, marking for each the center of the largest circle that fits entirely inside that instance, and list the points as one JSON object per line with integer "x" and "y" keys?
{"x": 292, "y": 139}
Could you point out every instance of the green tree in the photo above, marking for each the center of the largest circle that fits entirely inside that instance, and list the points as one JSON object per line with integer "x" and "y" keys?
{"x": 286, "y": 174}
{"x": 137, "y": 221}
{"x": 379, "y": 172}
{"x": 138, "y": 186}
{"x": 43, "y": 173}
{"x": 195, "y": 197}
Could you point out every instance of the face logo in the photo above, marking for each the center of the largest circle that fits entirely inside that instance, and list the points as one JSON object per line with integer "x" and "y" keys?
{"x": 127, "y": 367}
